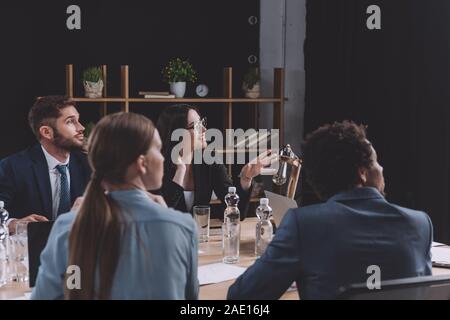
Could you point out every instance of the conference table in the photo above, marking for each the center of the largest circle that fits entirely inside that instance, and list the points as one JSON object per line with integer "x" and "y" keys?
{"x": 209, "y": 252}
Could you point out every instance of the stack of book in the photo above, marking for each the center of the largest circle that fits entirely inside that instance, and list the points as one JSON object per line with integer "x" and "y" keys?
{"x": 156, "y": 94}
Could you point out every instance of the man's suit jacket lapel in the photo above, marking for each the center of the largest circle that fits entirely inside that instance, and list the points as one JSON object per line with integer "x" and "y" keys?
{"x": 41, "y": 174}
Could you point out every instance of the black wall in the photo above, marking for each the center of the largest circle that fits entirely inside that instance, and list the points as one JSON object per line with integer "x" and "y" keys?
{"x": 36, "y": 45}
{"x": 397, "y": 81}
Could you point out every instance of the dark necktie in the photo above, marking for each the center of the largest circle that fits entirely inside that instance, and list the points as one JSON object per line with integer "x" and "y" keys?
{"x": 64, "y": 194}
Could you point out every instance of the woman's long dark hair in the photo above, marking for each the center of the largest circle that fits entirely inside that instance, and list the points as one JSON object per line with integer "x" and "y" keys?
{"x": 172, "y": 118}
{"x": 94, "y": 241}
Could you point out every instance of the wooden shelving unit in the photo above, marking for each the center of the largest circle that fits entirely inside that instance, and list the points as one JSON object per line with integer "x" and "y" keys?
{"x": 277, "y": 100}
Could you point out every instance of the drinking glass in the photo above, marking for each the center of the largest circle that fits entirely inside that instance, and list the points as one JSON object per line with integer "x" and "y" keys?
{"x": 202, "y": 218}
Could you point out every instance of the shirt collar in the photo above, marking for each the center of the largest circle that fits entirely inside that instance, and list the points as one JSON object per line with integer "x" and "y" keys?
{"x": 358, "y": 193}
{"x": 52, "y": 162}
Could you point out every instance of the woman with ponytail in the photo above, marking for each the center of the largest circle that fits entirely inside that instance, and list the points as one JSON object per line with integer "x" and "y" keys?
{"x": 123, "y": 242}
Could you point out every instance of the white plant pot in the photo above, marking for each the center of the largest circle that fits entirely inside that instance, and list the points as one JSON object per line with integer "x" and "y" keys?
{"x": 178, "y": 89}
{"x": 93, "y": 89}
{"x": 254, "y": 92}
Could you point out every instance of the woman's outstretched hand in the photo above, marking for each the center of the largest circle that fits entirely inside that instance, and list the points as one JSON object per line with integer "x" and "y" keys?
{"x": 254, "y": 167}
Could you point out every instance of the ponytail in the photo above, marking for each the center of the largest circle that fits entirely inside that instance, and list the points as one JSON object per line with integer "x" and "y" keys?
{"x": 94, "y": 243}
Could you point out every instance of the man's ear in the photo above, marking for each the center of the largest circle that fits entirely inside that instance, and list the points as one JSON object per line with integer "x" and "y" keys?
{"x": 362, "y": 174}
{"x": 46, "y": 132}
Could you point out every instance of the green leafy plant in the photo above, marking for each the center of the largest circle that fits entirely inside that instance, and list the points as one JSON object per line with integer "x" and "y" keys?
{"x": 177, "y": 70}
{"x": 251, "y": 77}
{"x": 88, "y": 129}
{"x": 92, "y": 74}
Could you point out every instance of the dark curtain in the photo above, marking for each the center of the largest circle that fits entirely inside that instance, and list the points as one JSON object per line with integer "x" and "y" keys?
{"x": 395, "y": 81}
{"x": 36, "y": 46}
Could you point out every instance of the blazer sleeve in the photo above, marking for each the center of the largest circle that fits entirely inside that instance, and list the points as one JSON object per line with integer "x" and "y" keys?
{"x": 428, "y": 264}
{"x": 272, "y": 274}
{"x": 221, "y": 181}
{"x": 7, "y": 185}
{"x": 172, "y": 193}
{"x": 50, "y": 278}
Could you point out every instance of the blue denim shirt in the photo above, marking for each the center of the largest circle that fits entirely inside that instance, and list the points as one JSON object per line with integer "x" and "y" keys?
{"x": 158, "y": 258}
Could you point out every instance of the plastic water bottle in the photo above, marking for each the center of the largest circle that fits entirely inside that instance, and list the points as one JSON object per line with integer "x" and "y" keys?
{"x": 4, "y": 265}
{"x": 264, "y": 228}
{"x": 4, "y": 247}
{"x": 231, "y": 228}
{"x": 4, "y": 215}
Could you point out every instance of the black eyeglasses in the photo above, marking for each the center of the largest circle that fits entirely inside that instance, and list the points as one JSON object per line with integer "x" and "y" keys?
{"x": 196, "y": 125}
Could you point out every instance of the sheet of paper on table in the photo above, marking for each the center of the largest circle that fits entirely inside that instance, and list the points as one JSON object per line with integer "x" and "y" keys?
{"x": 440, "y": 256}
{"x": 26, "y": 296}
{"x": 218, "y": 272}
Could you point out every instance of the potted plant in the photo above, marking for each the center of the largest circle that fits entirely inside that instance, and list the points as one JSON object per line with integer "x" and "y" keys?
{"x": 177, "y": 72}
{"x": 251, "y": 83}
{"x": 88, "y": 129}
{"x": 93, "y": 82}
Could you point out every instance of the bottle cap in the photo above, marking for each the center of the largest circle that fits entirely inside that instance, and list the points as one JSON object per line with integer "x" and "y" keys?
{"x": 232, "y": 189}
{"x": 264, "y": 201}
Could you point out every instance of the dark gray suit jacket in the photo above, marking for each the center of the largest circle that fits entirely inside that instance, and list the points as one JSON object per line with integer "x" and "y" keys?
{"x": 25, "y": 182}
{"x": 325, "y": 246}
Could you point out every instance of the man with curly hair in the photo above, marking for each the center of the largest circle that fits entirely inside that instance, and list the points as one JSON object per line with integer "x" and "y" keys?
{"x": 326, "y": 246}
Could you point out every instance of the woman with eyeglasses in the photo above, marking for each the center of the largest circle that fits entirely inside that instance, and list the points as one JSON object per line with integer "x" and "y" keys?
{"x": 186, "y": 184}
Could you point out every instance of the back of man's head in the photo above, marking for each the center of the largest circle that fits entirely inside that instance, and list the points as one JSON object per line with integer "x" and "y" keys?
{"x": 45, "y": 111}
{"x": 332, "y": 156}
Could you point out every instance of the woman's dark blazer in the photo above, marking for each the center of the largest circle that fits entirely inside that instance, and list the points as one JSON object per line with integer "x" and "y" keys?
{"x": 207, "y": 178}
